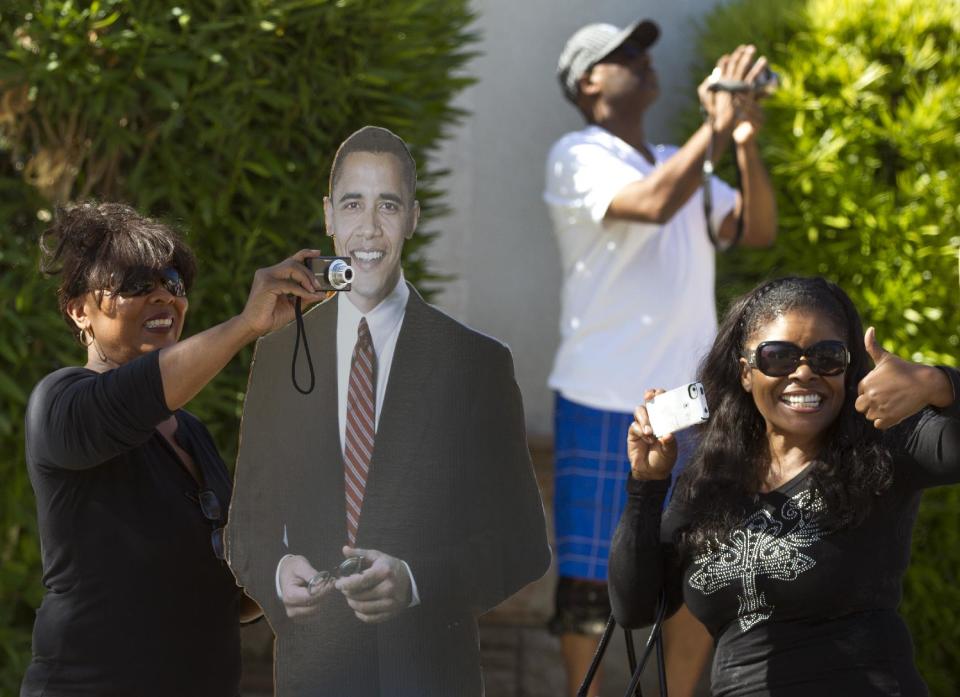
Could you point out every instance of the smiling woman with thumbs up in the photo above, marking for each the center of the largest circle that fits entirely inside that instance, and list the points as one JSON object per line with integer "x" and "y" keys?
{"x": 789, "y": 534}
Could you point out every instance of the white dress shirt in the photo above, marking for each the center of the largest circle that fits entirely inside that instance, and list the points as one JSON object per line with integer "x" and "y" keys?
{"x": 384, "y": 322}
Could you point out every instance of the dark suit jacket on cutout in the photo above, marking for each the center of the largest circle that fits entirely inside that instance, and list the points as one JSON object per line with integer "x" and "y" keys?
{"x": 450, "y": 491}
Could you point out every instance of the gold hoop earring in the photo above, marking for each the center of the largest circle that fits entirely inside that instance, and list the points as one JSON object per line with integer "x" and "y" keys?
{"x": 87, "y": 339}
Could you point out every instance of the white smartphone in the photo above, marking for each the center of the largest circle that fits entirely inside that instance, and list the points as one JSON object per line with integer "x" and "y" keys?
{"x": 678, "y": 409}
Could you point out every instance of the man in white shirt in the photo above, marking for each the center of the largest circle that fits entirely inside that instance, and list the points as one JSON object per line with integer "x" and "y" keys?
{"x": 638, "y": 308}
{"x": 409, "y": 455}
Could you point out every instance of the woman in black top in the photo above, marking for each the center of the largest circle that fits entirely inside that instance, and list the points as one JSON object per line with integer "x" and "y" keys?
{"x": 789, "y": 534}
{"x": 131, "y": 493}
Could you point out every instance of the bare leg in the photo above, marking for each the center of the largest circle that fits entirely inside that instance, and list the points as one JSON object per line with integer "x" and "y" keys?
{"x": 687, "y": 646}
{"x": 578, "y": 651}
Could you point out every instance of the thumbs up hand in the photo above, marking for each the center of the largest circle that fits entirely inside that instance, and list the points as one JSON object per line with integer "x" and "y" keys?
{"x": 895, "y": 388}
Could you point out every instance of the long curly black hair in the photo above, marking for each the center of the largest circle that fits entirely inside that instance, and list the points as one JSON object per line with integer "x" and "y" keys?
{"x": 719, "y": 487}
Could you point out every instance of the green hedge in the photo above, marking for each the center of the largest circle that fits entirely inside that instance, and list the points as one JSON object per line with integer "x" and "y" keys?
{"x": 863, "y": 144}
{"x": 220, "y": 117}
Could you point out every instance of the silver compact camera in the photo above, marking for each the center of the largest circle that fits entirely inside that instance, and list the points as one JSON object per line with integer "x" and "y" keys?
{"x": 332, "y": 273}
{"x": 677, "y": 409}
{"x": 765, "y": 84}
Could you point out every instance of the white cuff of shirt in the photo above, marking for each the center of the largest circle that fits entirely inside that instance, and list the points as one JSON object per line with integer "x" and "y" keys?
{"x": 414, "y": 593}
{"x": 277, "y": 576}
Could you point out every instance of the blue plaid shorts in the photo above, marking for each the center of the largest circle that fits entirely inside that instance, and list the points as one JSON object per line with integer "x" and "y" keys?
{"x": 590, "y": 485}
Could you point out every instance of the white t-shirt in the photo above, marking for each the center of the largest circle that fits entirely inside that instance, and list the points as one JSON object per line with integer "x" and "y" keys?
{"x": 638, "y": 298}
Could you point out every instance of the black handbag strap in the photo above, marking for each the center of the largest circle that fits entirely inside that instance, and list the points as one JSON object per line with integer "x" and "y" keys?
{"x": 654, "y": 641}
{"x": 598, "y": 655}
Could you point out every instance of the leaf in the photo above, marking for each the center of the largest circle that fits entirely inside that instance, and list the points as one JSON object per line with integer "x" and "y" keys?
{"x": 106, "y": 21}
{"x": 11, "y": 390}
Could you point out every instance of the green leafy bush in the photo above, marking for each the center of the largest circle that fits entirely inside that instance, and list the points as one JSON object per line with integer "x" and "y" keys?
{"x": 863, "y": 145}
{"x": 220, "y": 117}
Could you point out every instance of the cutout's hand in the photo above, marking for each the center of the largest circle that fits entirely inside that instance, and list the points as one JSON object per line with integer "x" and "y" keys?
{"x": 269, "y": 306}
{"x": 650, "y": 457}
{"x": 894, "y": 389}
{"x": 300, "y": 599}
{"x": 380, "y": 591}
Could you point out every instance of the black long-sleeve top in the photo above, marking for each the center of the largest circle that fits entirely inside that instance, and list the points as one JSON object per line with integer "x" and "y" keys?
{"x": 136, "y": 602}
{"x": 793, "y": 607}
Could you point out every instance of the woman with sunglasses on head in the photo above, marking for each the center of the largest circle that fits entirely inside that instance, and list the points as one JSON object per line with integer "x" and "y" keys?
{"x": 789, "y": 534}
{"x": 131, "y": 493}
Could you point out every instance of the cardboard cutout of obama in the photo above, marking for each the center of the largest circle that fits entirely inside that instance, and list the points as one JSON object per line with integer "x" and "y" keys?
{"x": 377, "y": 517}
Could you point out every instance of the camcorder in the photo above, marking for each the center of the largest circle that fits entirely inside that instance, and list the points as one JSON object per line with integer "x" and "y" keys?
{"x": 332, "y": 273}
{"x": 765, "y": 84}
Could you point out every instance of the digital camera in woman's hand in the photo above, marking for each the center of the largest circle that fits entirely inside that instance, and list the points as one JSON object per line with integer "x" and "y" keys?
{"x": 332, "y": 273}
{"x": 677, "y": 409}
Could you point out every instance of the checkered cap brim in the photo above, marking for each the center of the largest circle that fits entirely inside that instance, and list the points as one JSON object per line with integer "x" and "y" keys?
{"x": 594, "y": 42}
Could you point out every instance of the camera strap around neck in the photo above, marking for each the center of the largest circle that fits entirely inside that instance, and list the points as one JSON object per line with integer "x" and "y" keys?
{"x": 708, "y": 170}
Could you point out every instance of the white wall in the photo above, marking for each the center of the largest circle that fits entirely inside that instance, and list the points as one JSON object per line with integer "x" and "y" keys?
{"x": 498, "y": 240}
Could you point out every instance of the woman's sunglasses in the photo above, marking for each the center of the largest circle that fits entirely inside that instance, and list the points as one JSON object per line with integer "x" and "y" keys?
{"x": 777, "y": 359}
{"x": 142, "y": 281}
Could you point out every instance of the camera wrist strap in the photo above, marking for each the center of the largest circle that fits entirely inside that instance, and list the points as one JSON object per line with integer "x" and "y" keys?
{"x": 301, "y": 335}
{"x": 708, "y": 170}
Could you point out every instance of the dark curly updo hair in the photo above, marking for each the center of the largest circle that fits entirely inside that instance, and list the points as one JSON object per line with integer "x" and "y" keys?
{"x": 92, "y": 246}
{"x": 719, "y": 486}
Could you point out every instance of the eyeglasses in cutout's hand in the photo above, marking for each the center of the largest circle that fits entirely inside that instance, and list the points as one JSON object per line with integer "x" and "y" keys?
{"x": 348, "y": 567}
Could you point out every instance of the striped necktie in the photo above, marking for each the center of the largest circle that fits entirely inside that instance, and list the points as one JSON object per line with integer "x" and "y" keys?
{"x": 361, "y": 414}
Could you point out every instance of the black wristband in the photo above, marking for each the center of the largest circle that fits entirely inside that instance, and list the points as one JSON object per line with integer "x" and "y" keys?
{"x": 644, "y": 488}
